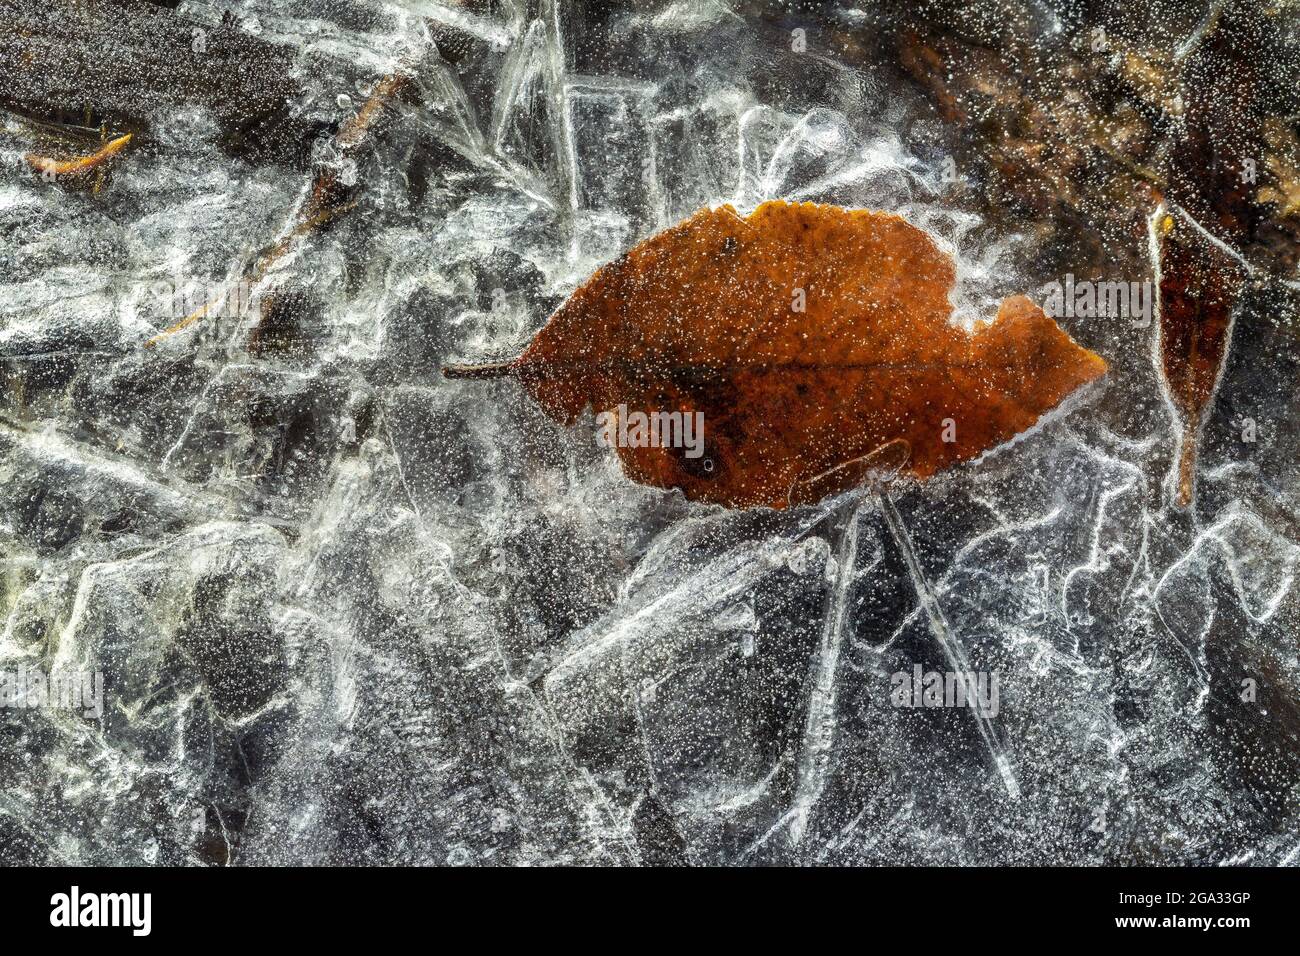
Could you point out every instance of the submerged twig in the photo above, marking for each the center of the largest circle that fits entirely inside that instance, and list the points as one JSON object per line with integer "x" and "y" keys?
{"x": 327, "y": 198}
{"x": 70, "y": 168}
{"x": 485, "y": 371}
{"x": 259, "y": 270}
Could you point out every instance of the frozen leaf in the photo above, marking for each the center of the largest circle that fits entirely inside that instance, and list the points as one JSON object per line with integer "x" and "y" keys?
{"x": 806, "y": 336}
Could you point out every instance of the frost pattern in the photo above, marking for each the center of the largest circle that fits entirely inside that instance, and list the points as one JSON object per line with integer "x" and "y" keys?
{"x": 347, "y": 611}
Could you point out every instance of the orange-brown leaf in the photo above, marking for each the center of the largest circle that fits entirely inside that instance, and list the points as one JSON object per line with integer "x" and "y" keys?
{"x": 703, "y": 317}
{"x": 79, "y": 165}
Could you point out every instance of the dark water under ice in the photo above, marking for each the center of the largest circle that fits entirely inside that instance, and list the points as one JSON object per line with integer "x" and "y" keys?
{"x": 345, "y": 610}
